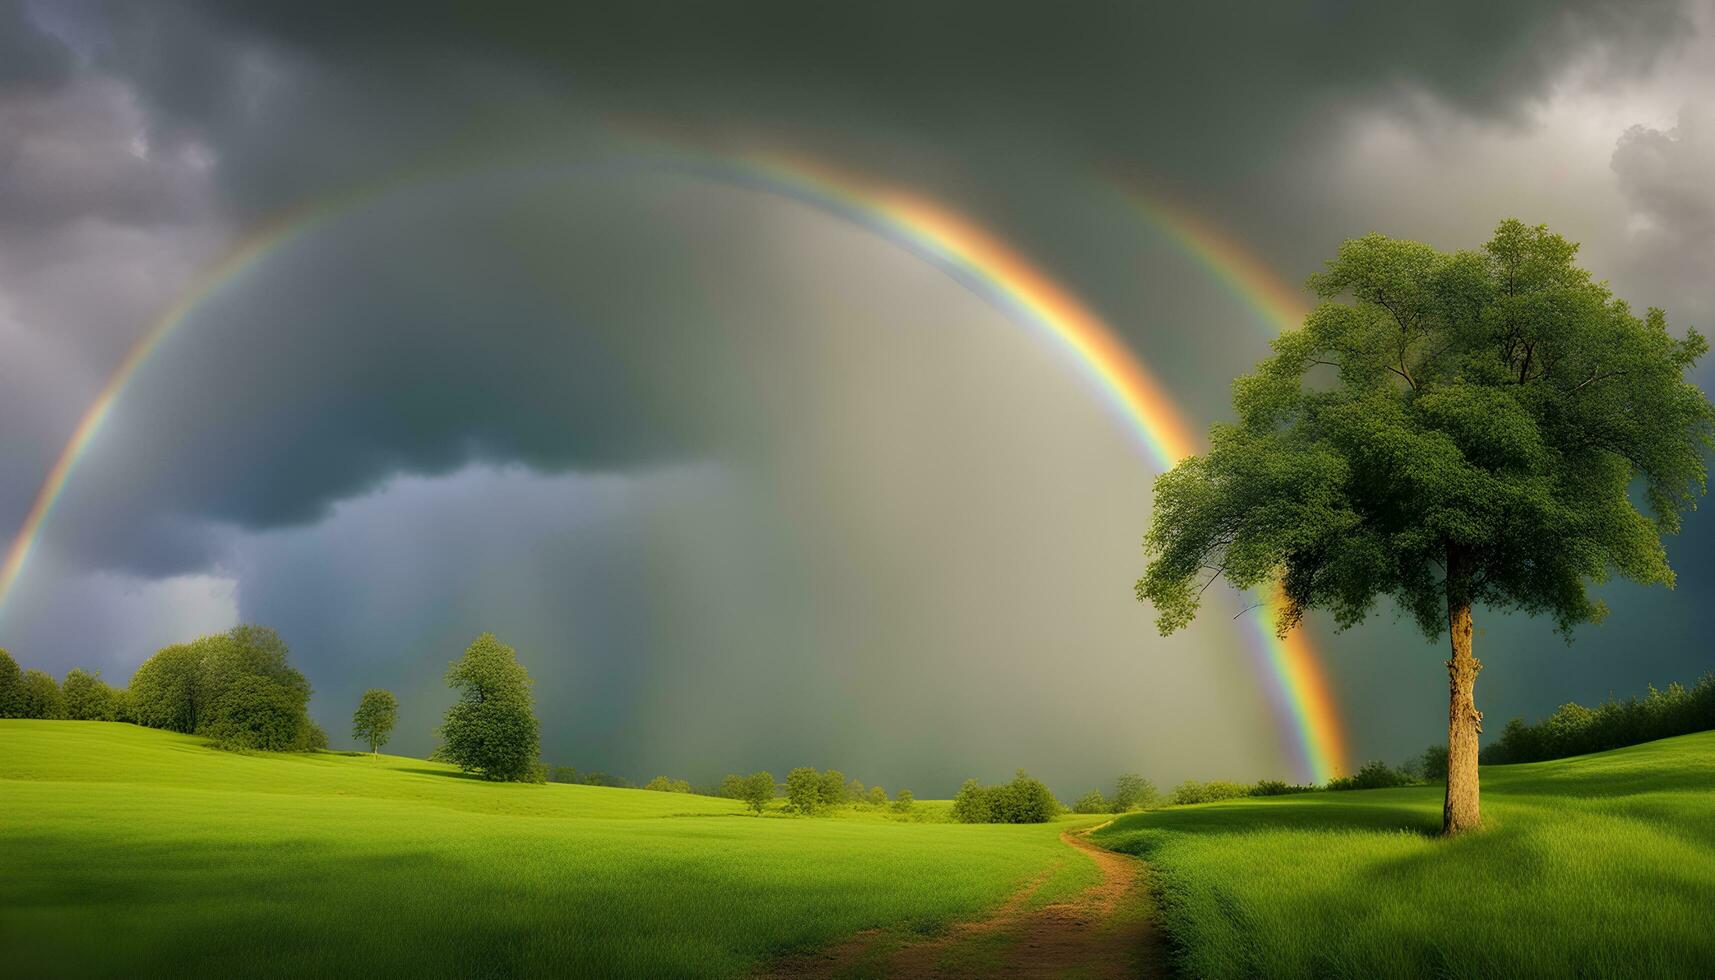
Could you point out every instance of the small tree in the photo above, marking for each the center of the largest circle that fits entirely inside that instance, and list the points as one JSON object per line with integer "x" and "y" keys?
{"x": 803, "y": 790}
{"x": 1132, "y": 792}
{"x": 877, "y": 796}
{"x": 833, "y": 792}
{"x": 86, "y": 697}
{"x": 1449, "y": 431}
{"x": 373, "y": 721}
{"x": 491, "y": 729}
{"x": 11, "y": 687}
{"x": 903, "y": 801}
{"x": 732, "y": 786}
{"x": 40, "y": 696}
{"x": 856, "y": 791}
{"x": 1093, "y": 802}
{"x": 973, "y": 803}
{"x": 756, "y": 790}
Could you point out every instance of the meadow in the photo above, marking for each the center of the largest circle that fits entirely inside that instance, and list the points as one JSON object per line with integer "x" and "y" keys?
{"x": 133, "y": 851}
{"x": 1600, "y": 865}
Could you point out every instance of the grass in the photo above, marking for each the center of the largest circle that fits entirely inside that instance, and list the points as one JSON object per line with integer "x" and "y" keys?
{"x": 1602, "y": 865}
{"x": 137, "y": 852}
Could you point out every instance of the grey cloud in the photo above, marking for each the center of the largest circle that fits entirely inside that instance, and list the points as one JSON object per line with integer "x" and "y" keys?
{"x": 1666, "y": 175}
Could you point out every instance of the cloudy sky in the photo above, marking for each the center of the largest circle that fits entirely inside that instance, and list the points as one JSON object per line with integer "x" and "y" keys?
{"x": 747, "y": 483}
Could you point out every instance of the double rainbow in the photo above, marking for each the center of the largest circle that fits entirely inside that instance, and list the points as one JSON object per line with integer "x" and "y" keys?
{"x": 975, "y": 257}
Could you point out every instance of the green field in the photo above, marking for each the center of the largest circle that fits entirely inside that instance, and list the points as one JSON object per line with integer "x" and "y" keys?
{"x": 130, "y": 851}
{"x": 1602, "y": 865}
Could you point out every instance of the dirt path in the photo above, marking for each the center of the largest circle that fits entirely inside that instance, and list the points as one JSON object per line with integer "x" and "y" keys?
{"x": 1105, "y": 931}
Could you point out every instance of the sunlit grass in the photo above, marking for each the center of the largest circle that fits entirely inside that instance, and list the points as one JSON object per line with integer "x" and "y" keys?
{"x": 1602, "y": 865}
{"x": 136, "y": 852}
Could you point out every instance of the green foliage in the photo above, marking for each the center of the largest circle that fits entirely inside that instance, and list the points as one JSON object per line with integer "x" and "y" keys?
{"x": 11, "y": 687}
{"x": 1192, "y": 791}
{"x": 1132, "y": 792}
{"x": 756, "y": 790}
{"x": 87, "y": 698}
{"x": 1435, "y": 764}
{"x": 376, "y": 714}
{"x": 256, "y": 712}
{"x": 1092, "y": 802}
{"x": 39, "y": 696}
{"x": 1275, "y": 787}
{"x": 804, "y": 790}
{"x": 877, "y": 796}
{"x": 1576, "y": 730}
{"x": 167, "y": 690}
{"x": 833, "y": 790}
{"x": 1490, "y": 408}
{"x": 491, "y": 729}
{"x": 1372, "y": 775}
{"x": 1599, "y": 865}
{"x": 903, "y": 801}
{"x": 1023, "y": 800}
{"x": 662, "y": 784}
{"x": 856, "y": 792}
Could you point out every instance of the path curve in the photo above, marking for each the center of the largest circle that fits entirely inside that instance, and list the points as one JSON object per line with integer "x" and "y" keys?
{"x": 1105, "y": 931}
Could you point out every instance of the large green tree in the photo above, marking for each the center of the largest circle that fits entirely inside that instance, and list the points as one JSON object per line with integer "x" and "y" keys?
{"x": 40, "y": 696}
{"x": 1484, "y": 428}
{"x": 374, "y": 718}
{"x": 491, "y": 729}
{"x": 88, "y": 698}
{"x": 11, "y": 687}
{"x": 186, "y": 688}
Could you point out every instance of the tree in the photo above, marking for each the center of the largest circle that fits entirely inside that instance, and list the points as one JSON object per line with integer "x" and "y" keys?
{"x": 756, "y": 789}
{"x": 491, "y": 729}
{"x": 833, "y": 791}
{"x": 803, "y": 790}
{"x": 87, "y": 698}
{"x": 255, "y": 712}
{"x": 903, "y": 801}
{"x": 166, "y": 690}
{"x": 1447, "y": 431}
{"x": 41, "y": 696}
{"x": 855, "y": 791}
{"x": 877, "y": 796}
{"x": 11, "y": 687}
{"x": 1093, "y": 802}
{"x": 1132, "y": 792}
{"x": 373, "y": 721}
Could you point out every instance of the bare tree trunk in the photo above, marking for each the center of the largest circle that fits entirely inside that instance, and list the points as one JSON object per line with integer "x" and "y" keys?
{"x": 1464, "y": 721}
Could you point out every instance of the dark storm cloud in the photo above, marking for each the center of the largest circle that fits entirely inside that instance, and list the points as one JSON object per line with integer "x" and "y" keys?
{"x": 30, "y": 59}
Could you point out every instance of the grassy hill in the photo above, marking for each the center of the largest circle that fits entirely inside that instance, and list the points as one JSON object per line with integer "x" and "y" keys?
{"x": 130, "y": 851}
{"x": 1601, "y": 865}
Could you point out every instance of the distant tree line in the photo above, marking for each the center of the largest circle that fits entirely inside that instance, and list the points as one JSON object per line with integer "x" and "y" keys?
{"x": 1576, "y": 730}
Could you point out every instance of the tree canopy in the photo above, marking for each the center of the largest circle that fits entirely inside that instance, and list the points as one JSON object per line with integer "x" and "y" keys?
{"x": 491, "y": 729}
{"x": 374, "y": 719}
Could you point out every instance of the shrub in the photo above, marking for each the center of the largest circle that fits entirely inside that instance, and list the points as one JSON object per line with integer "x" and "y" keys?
{"x": 1373, "y": 775}
{"x": 491, "y": 730}
{"x": 87, "y": 698}
{"x": 661, "y": 784}
{"x": 903, "y": 801}
{"x": 877, "y": 796}
{"x": 804, "y": 790}
{"x": 1192, "y": 791}
{"x": 311, "y": 737}
{"x": 40, "y": 697}
{"x": 1275, "y": 787}
{"x": 11, "y": 687}
{"x": 1092, "y": 802}
{"x": 374, "y": 718}
{"x": 1132, "y": 792}
{"x": 1023, "y": 800}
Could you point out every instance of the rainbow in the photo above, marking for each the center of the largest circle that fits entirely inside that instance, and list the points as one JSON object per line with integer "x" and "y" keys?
{"x": 1296, "y": 685}
{"x": 970, "y": 254}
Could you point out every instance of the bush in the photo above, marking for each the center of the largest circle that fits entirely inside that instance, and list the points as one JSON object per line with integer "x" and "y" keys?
{"x": 877, "y": 796}
{"x": 1092, "y": 802}
{"x": 1191, "y": 791}
{"x": 491, "y": 730}
{"x": 1132, "y": 792}
{"x": 87, "y": 698}
{"x": 1023, "y": 800}
{"x": 661, "y": 784}
{"x": 1275, "y": 787}
{"x": 40, "y": 697}
{"x": 903, "y": 801}
{"x": 1373, "y": 775}
{"x": 804, "y": 790}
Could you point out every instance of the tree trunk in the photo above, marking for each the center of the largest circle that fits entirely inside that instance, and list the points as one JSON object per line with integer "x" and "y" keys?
{"x": 1464, "y": 721}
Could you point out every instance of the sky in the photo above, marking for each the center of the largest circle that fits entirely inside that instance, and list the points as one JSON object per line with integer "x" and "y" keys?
{"x": 521, "y": 342}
